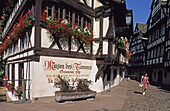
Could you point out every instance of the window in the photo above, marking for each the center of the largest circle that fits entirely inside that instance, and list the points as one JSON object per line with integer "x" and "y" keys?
{"x": 157, "y": 34}
{"x": 153, "y": 36}
{"x": 162, "y": 30}
{"x": 10, "y": 50}
{"x": 158, "y": 51}
{"x": 140, "y": 57}
{"x": 151, "y": 54}
{"x": 165, "y": 74}
{"x": 22, "y": 43}
{"x": 149, "y": 40}
{"x": 109, "y": 75}
{"x": 154, "y": 53}
{"x": 143, "y": 57}
{"x": 162, "y": 50}
{"x": 15, "y": 49}
{"x": 8, "y": 71}
{"x": 114, "y": 73}
{"x": 168, "y": 57}
{"x": 148, "y": 55}
{"x": 155, "y": 74}
{"x": 137, "y": 57}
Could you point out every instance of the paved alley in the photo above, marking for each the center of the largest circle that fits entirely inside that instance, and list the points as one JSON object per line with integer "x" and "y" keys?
{"x": 109, "y": 100}
{"x": 157, "y": 98}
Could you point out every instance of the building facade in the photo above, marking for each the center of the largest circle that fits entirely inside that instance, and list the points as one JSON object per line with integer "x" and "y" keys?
{"x": 156, "y": 42}
{"x": 39, "y": 59}
{"x": 136, "y": 64}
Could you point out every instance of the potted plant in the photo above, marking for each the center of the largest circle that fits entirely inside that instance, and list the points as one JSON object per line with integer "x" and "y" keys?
{"x": 5, "y": 81}
{"x": 79, "y": 89}
{"x": 19, "y": 91}
{"x": 11, "y": 86}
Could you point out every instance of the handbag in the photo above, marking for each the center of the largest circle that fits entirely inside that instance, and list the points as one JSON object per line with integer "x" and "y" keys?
{"x": 140, "y": 85}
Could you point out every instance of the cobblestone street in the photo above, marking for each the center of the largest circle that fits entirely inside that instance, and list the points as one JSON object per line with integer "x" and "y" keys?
{"x": 157, "y": 98}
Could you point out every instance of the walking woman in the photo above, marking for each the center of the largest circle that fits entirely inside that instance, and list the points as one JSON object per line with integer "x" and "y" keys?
{"x": 144, "y": 81}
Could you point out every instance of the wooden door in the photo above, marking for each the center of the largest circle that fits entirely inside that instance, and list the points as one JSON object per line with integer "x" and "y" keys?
{"x": 160, "y": 73}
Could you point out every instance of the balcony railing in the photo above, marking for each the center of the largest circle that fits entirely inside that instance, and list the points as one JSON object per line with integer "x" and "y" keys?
{"x": 15, "y": 9}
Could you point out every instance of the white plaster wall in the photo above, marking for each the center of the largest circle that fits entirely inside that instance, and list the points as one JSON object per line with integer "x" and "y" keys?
{"x": 32, "y": 37}
{"x": 6, "y": 70}
{"x": 95, "y": 47}
{"x": 105, "y": 47}
{"x": 98, "y": 85}
{"x": 105, "y": 25}
{"x": 96, "y": 28}
{"x": 10, "y": 72}
{"x": 89, "y": 2}
{"x": 112, "y": 83}
{"x": 26, "y": 76}
{"x": 41, "y": 87}
{"x": 114, "y": 52}
{"x": 97, "y": 4}
{"x": 45, "y": 39}
{"x": 16, "y": 74}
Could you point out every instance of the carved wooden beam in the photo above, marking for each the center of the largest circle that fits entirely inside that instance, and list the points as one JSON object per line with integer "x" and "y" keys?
{"x": 38, "y": 8}
{"x": 52, "y": 45}
{"x": 58, "y": 43}
{"x": 81, "y": 46}
{"x": 100, "y": 49}
{"x": 69, "y": 44}
{"x": 98, "y": 72}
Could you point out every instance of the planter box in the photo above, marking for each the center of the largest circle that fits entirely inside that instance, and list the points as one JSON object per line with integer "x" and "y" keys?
{"x": 61, "y": 97}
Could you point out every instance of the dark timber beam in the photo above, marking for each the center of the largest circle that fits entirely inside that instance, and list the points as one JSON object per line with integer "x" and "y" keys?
{"x": 100, "y": 49}
{"x": 38, "y": 8}
{"x": 98, "y": 73}
{"x": 83, "y": 8}
{"x": 110, "y": 37}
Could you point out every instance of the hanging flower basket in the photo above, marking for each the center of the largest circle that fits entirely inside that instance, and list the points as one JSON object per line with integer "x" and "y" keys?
{"x": 19, "y": 29}
{"x": 123, "y": 47}
{"x": 19, "y": 91}
{"x": 10, "y": 4}
{"x": 63, "y": 28}
{"x": 11, "y": 86}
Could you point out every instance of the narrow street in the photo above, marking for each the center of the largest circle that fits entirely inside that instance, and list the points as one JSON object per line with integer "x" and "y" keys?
{"x": 109, "y": 100}
{"x": 127, "y": 97}
{"x": 157, "y": 98}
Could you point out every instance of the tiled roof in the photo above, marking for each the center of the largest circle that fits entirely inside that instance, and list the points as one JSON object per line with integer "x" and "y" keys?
{"x": 141, "y": 27}
{"x": 163, "y": 2}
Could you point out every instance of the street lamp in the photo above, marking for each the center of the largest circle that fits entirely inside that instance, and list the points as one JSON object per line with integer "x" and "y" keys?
{"x": 129, "y": 17}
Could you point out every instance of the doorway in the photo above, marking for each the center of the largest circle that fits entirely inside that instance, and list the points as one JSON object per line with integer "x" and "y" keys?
{"x": 160, "y": 73}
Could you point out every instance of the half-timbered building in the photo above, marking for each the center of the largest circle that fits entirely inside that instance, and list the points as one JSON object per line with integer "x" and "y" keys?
{"x": 157, "y": 40}
{"x": 167, "y": 44}
{"x": 38, "y": 57}
{"x": 136, "y": 64}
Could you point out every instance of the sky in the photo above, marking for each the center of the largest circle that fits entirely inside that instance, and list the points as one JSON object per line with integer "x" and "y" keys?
{"x": 141, "y": 10}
